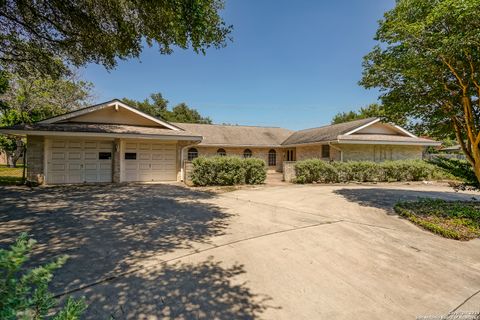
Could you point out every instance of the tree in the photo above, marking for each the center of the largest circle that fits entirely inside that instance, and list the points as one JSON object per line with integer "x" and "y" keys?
{"x": 372, "y": 110}
{"x": 427, "y": 66}
{"x": 29, "y": 99}
{"x": 49, "y": 36}
{"x": 157, "y": 106}
{"x": 24, "y": 292}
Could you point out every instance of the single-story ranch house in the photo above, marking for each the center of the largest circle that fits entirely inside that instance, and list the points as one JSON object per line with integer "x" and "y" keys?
{"x": 114, "y": 142}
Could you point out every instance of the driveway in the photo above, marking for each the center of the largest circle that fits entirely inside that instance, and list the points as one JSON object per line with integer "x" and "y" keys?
{"x": 283, "y": 252}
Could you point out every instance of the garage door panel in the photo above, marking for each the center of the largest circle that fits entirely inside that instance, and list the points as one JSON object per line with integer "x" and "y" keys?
{"x": 155, "y": 162}
{"x": 77, "y": 161}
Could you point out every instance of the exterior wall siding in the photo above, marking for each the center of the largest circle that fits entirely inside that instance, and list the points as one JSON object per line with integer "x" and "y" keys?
{"x": 260, "y": 153}
{"x": 36, "y": 159}
{"x": 315, "y": 152}
{"x": 372, "y": 152}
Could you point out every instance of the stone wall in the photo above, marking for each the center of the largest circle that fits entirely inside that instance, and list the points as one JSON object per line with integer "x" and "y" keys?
{"x": 116, "y": 174}
{"x": 260, "y": 153}
{"x": 35, "y": 159}
{"x": 288, "y": 171}
{"x": 188, "y": 169}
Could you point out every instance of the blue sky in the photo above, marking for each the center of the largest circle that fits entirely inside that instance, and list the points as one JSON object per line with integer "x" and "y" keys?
{"x": 292, "y": 64}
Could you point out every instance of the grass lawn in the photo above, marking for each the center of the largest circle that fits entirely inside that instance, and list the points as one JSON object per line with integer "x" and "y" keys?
{"x": 10, "y": 176}
{"x": 458, "y": 220}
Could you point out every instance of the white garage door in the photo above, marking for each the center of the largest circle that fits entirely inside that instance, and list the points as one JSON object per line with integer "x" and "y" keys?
{"x": 146, "y": 161}
{"x": 79, "y": 161}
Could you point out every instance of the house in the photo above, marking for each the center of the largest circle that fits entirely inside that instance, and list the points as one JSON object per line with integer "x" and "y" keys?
{"x": 114, "y": 142}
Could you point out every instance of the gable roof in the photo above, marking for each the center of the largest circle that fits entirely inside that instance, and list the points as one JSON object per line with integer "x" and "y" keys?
{"x": 115, "y": 102}
{"x": 231, "y": 135}
{"x": 328, "y": 132}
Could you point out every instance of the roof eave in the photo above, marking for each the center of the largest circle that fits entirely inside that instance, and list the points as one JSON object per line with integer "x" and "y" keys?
{"x": 24, "y": 133}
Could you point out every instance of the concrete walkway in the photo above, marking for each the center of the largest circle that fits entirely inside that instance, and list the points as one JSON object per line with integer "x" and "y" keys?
{"x": 286, "y": 252}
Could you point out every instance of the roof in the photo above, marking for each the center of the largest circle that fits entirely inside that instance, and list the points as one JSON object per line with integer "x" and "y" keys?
{"x": 97, "y": 128}
{"x": 386, "y": 139}
{"x": 231, "y": 135}
{"x": 115, "y": 102}
{"x": 326, "y": 133}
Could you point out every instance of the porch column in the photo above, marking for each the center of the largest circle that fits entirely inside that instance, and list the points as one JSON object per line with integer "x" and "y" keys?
{"x": 116, "y": 161}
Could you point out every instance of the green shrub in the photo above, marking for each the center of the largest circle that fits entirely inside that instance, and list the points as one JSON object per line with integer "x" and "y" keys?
{"x": 459, "y": 169}
{"x": 24, "y": 292}
{"x": 227, "y": 171}
{"x": 316, "y": 170}
{"x": 255, "y": 171}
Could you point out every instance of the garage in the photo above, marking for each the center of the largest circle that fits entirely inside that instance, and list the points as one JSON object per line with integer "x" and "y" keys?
{"x": 78, "y": 161}
{"x": 148, "y": 161}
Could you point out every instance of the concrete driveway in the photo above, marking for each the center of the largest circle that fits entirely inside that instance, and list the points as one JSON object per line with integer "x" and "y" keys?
{"x": 284, "y": 252}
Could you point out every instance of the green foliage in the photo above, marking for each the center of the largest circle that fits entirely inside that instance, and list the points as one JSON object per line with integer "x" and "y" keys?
{"x": 24, "y": 292}
{"x": 316, "y": 170}
{"x": 227, "y": 171}
{"x": 373, "y": 110}
{"x": 29, "y": 99}
{"x": 255, "y": 171}
{"x": 157, "y": 106}
{"x": 458, "y": 220}
{"x": 50, "y": 36}
{"x": 426, "y": 67}
{"x": 460, "y": 169}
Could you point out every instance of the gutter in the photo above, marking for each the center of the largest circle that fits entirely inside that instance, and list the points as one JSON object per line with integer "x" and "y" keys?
{"x": 338, "y": 149}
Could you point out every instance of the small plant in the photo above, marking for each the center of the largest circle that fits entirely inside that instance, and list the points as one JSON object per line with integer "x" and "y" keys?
{"x": 24, "y": 292}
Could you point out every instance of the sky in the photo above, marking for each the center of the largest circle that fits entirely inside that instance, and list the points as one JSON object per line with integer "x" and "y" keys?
{"x": 292, "y": 64}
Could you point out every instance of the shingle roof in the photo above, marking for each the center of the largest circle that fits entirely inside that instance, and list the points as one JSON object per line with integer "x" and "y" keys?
{"x": 99, "y": 128}
{"x": 231, "y": 135}
{"x": 325, "y": 133}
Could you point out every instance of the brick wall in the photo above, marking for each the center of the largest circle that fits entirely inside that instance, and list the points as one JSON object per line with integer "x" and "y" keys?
{"x": 260, "y": 153}
{"x": 315, "y": 152}
{"x": 35, "y": 159}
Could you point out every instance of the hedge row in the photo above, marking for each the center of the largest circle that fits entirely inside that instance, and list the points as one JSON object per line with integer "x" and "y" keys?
{"x": 315, "y": 170}
{"x": 227, "y": 171}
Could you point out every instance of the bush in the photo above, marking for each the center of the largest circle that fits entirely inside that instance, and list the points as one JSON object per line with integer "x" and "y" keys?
{"x": 227, "y": 171}
{"x": 24, "y": 292}
{"x": 316, "y": 170}
{"x": 459, "y": 169}
{"x": 255, "y": 171}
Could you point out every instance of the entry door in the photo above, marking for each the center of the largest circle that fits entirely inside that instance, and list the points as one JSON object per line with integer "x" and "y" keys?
{"x": 79, "y": 161}
{"x": 146, "y": 161}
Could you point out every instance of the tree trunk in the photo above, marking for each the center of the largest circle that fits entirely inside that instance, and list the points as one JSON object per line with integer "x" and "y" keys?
{"x": 14, "y": 156}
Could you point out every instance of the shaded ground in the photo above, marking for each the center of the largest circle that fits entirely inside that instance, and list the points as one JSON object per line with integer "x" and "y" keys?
{"x": 282, "y": 252}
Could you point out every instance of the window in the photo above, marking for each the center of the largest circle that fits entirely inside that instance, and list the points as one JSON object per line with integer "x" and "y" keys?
{"x": 104, "y": 155}
{"x": 325, "y": 151}
{"x": 130, "y": 155}
{"x": 221, "y": 152}
{"x": 247, "y": 153}
{"x": 290, "y": 155}
{"x": 192, "y": 154}
{"x": 272, "y": 158}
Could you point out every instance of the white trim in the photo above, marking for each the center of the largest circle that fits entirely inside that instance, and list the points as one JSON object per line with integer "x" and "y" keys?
{"x": 362, "y": 127}
{"x": 411, "y": 143}
{"x": 408, "y": 133}
{"x": 97, "y": 134}
{"x": 114, "y": 103}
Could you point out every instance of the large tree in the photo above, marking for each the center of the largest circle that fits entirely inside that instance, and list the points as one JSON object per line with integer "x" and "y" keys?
{"x": 24, "y": 100}
{"x": 372, "y": 110}
{"x": 427, "y": 66}
{"x": 49, "y": 36}
{"x": 157, "y": 106}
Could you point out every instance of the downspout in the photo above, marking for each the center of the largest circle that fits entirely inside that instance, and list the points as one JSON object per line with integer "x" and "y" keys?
{"x": 338, "y": 149}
